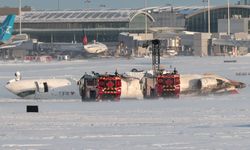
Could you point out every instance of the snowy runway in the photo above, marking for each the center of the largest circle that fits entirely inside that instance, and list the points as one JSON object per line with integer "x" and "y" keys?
{"x": 157, "y": 124}
{"x": 212, "y": 122}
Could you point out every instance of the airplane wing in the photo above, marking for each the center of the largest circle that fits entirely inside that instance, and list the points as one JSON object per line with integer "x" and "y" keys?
{"x": 7, "y": 46}
{"x": 11, "y": 45}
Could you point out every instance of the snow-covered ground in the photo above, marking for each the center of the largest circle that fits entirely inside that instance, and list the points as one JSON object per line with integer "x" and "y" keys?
{"x": 212, "y": 122}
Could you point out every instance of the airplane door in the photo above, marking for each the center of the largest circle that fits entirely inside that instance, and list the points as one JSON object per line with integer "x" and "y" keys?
{"x": 42, "y": 87}
{"x": 46, "y": 88}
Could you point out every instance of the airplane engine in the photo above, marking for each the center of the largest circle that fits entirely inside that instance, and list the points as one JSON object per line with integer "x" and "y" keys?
{"x": 207, "y": 84}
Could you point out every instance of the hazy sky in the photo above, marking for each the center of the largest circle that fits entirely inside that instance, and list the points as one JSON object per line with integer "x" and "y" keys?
{"x": 80, "y": 4}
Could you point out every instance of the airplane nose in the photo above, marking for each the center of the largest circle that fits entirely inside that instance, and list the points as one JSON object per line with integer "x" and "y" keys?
{"x": 9, "y": 86}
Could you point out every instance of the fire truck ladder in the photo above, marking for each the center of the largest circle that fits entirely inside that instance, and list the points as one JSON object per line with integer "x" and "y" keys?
{"x": 156, "y": 60}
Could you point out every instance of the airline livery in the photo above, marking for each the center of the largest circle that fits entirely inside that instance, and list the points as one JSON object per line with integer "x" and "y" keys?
{"x": 6, "y": 29}
{"x": 7, "y": 40}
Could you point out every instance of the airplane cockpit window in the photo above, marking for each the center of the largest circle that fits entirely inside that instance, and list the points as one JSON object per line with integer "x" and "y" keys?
{"x": 26, "y": 93}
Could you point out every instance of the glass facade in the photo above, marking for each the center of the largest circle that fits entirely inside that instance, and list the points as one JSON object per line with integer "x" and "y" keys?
{"x": 76, "y": 36}
{"x": 138, "y": 23}
{"x": 244, "y": 2}
{"x": 248, "y": 27}
{"x": 68, "y": 25}
{"x": 199, "y": 21}
{"x": 70, "y": 30}
{"x": 168, "y": 19}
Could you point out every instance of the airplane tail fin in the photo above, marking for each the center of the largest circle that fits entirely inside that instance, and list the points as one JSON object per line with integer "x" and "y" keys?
{"x": 6, "y": 28}
{"x": 85, "y": 40}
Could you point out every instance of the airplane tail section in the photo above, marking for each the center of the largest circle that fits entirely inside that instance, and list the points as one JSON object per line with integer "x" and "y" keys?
{"x": 6, "y": 28}
{"x": 85, "y": 40}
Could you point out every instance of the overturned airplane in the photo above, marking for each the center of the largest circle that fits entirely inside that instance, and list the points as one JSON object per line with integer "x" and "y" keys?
{"x": 130, "y": 85}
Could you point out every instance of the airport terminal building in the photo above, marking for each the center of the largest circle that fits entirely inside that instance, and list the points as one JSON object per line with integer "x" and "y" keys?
{"x": 105, "y": 25}
{"x": 198, "y": 21}
{"x": 102, "y": 25}
{"x": 70, "y": 26}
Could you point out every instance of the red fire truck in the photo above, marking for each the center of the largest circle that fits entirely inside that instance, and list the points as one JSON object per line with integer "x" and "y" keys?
{"x": 168, "y": 85}
{"x": 109, "y": 87}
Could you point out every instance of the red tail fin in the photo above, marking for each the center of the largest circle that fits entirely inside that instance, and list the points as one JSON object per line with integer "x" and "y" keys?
{"x": 85, "y": 40}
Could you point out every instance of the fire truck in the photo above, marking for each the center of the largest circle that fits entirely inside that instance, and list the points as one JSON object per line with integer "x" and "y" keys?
{"x": 87, "y": 87}
{"x": 98, "y": 87}
{"x": 109, "y": 87}
{"x": 168, "y": 85}
{"x": 159, "y": 84}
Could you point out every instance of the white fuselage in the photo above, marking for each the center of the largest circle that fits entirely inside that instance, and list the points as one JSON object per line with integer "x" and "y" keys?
{"x": 95, "y": 48}
{"x": 190, "y": 84}
{"x": 172, "y": 52}
{"x": 204, "y": 84}
{"x": 44, "y": 88}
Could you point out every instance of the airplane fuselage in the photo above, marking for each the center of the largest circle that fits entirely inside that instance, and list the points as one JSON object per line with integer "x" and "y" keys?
{"x": 132, "y": 88}
{"x": 44, "y": 89}
{"x": 95, "y": 48}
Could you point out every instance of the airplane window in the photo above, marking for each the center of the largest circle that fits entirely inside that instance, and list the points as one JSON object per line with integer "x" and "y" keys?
{"x": 46, "y": 88}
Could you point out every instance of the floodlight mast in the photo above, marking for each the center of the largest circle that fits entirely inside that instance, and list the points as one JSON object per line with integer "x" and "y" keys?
{"x": 209, "y": 17}
{"x": 228, "y": 18}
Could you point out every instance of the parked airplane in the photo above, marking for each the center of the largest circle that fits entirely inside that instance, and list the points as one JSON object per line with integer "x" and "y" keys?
{"x": 95, "y": 47}
{"x": 7, "y": 40}
{"x": 132, "y": 86}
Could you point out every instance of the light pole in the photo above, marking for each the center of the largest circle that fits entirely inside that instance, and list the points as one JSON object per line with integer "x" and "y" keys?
{"x": 204, "y": 3}
{"x": 58, "y": 4}
{"x": 228, "y": 18}
{"x": 20, "y": 16}
{"x": 209, "y": 17}
{"x": 146, "y": 19}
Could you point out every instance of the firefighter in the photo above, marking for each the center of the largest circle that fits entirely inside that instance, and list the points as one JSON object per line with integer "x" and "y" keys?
{"x": 175, "y": 71}
{"x": 116, "y": 73}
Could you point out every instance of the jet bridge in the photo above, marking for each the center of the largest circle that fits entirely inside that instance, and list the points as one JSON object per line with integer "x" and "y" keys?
{"x": 231, "y": 42}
